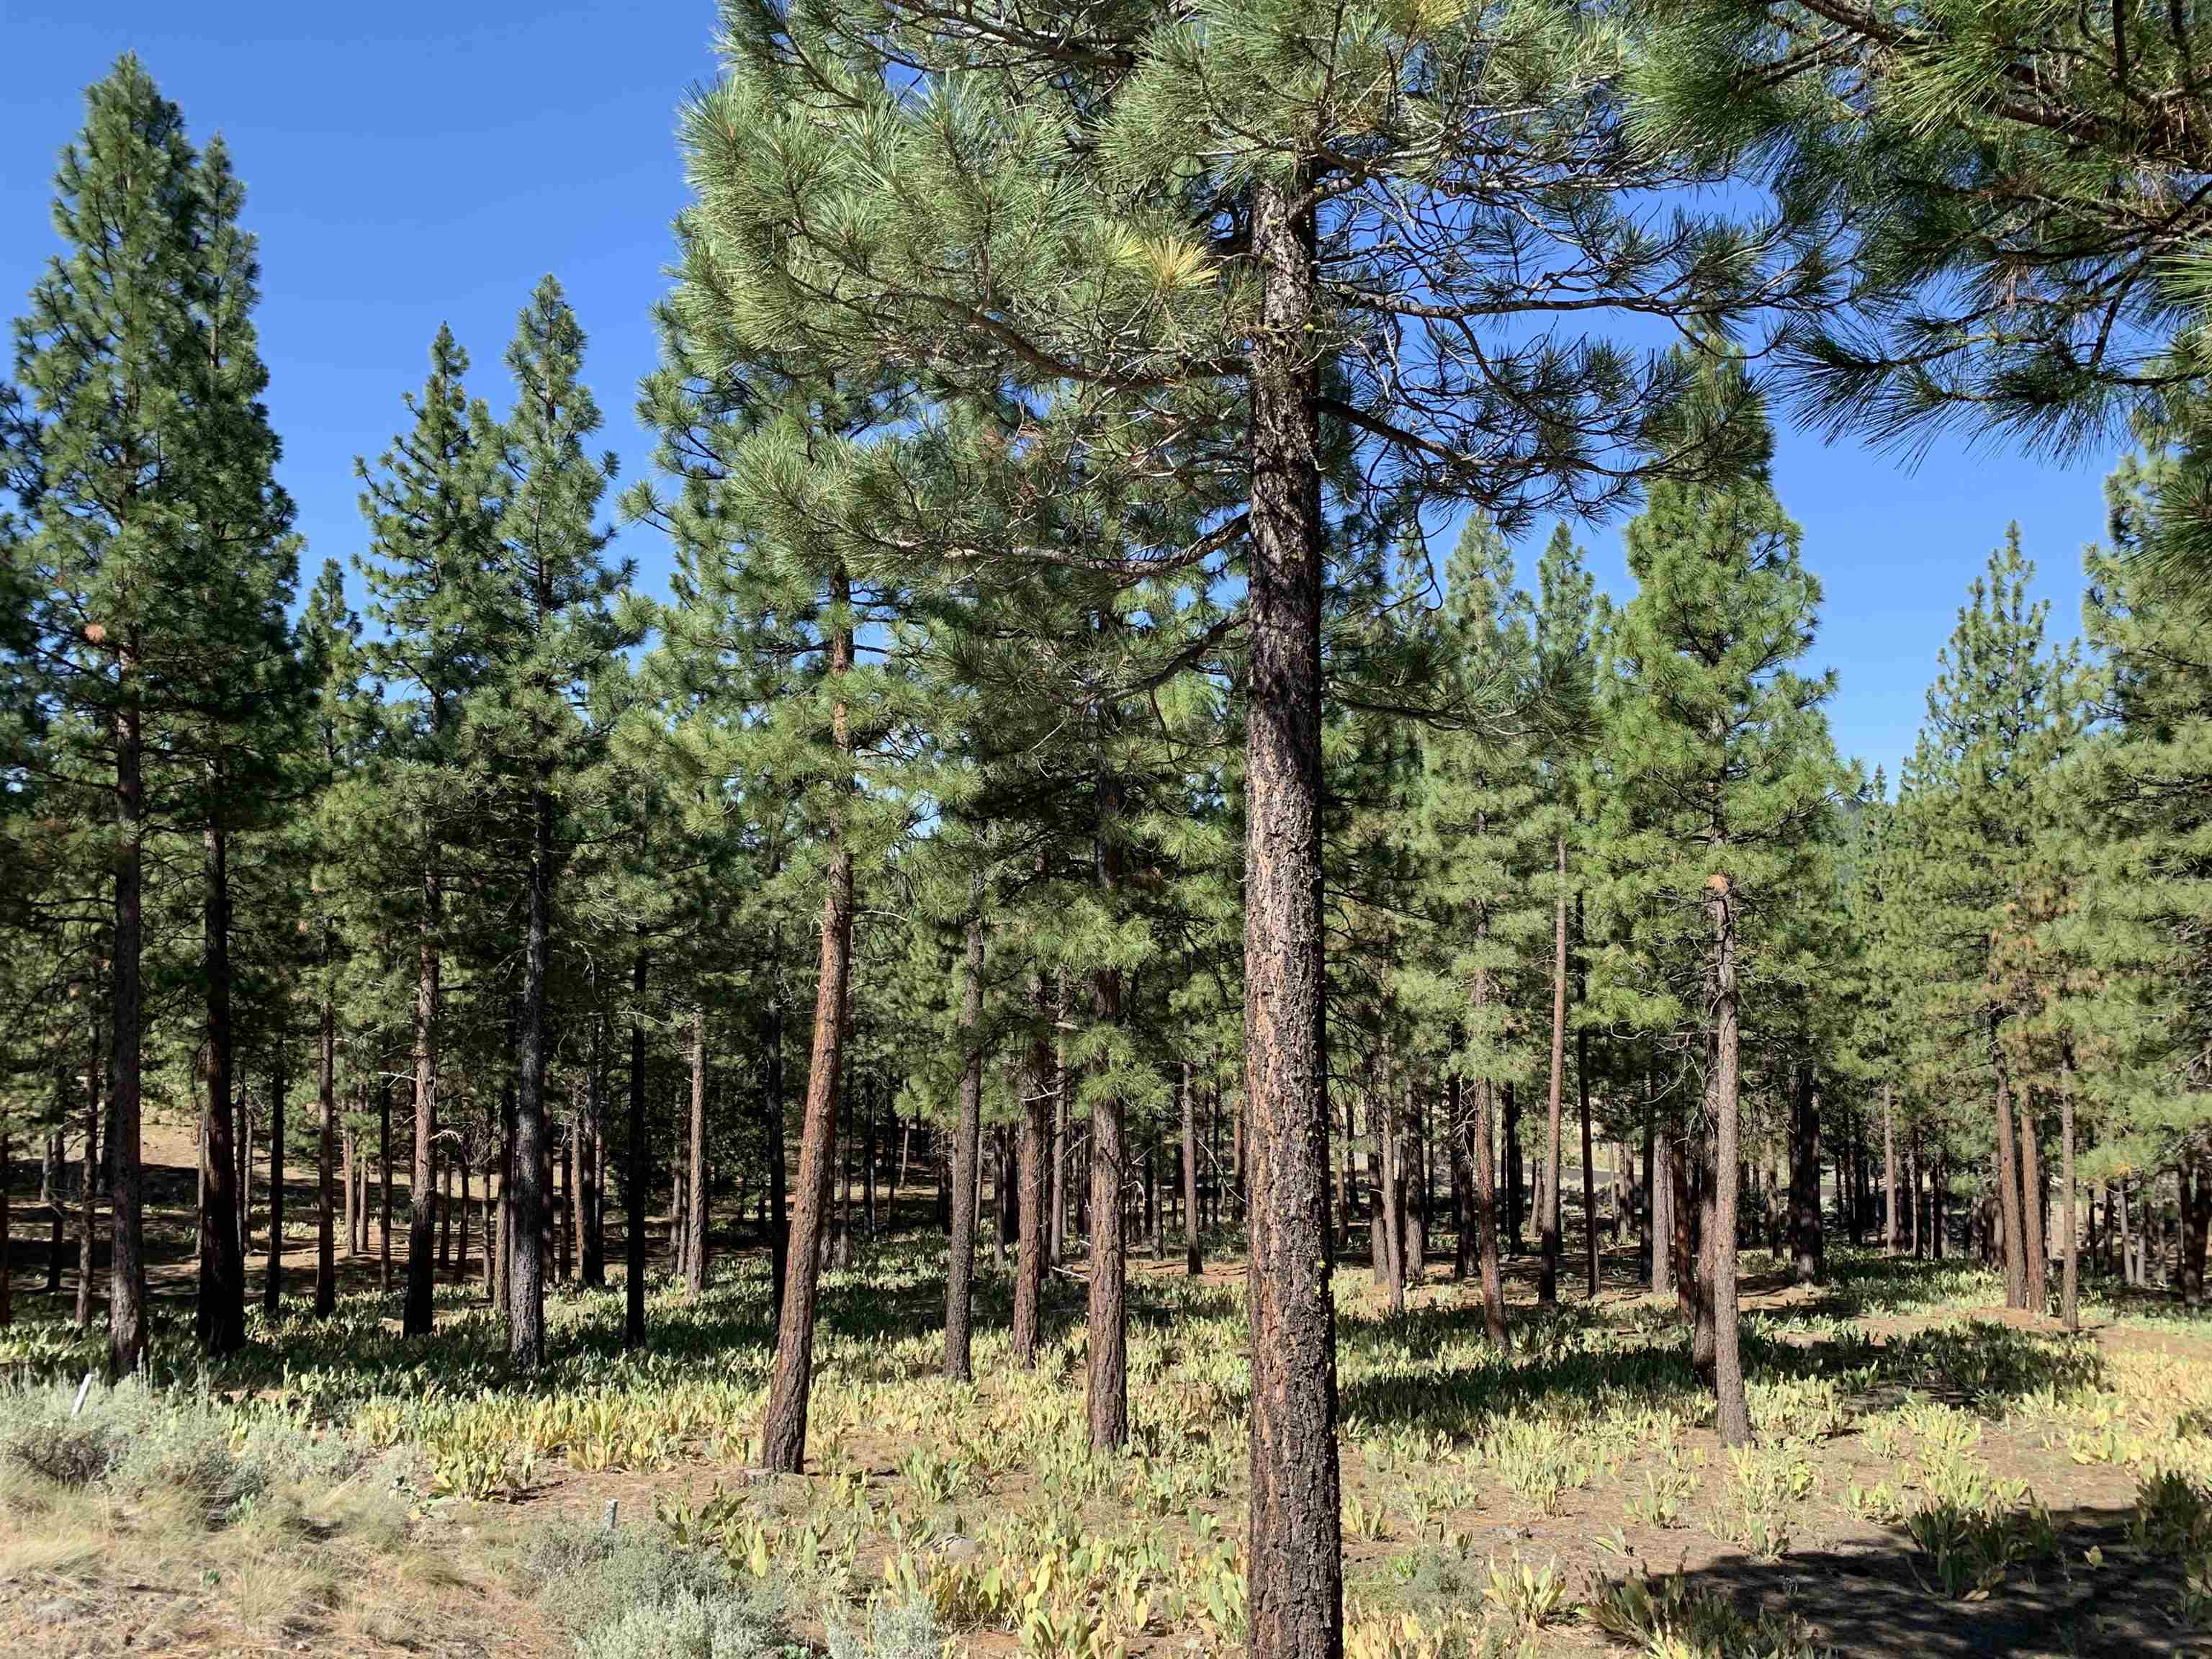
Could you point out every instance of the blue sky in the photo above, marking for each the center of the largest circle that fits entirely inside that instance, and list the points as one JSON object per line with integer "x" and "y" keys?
{"x": 411, "y": 163}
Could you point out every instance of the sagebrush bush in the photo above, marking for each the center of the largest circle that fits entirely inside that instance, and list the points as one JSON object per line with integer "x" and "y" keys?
{"x": 688, "y": 1625}
{"x": 632, "y": 1594}
{"x": 141, "y": 1443}
{"x": 896, "y": 1630}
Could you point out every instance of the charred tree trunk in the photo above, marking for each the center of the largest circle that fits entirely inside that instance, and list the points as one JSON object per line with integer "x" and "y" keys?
{"x": 1295, "y": 1589}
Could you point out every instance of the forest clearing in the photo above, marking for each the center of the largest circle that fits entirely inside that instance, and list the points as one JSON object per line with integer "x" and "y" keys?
{"x": 1287, "y": 849}
{"x": 1935, "y": 1475}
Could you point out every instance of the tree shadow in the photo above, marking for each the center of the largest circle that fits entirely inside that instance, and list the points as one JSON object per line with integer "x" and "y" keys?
{"x": 2091, "y": 1593}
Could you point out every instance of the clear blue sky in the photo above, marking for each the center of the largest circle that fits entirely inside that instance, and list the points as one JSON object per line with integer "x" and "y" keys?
{"x": 413, "y": 163}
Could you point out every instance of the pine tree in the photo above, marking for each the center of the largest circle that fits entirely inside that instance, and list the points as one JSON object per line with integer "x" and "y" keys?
{"x": 1722, "y": 773}
{"x": 158, "y": 543}
{"x": 1998, "y": 717}
{"x": 526, "y": 724}
{"x": 433, "y": 509}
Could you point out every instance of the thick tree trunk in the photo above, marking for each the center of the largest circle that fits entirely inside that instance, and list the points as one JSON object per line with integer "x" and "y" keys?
{"x": 272, "y": 1282}
{"x": 1663, "y": 1241}
{"x": 783, "y": 1436}
{"x": 220, "y": 1316}
{"x": 2008, "y": 1181}
{"x": 1036, "y": 1184}
{"x": 960, "y": 1265}
{"x": 1548, "y": 1219}
{"x": 1296, "y": 1594}
{"x": 126, "y": 1296}
{"x": 639, "y": 1173}
{"x": 695, "y": 1192}
{"x": 526, "y": 1291}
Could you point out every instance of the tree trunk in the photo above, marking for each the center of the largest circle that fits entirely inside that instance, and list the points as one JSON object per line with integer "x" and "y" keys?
{"x": 1193, "y": 1257}
{"x": 383, "y": 1187}
{"x": 1295, "y": 1589}
{"x": 1889, "y": 1218}
{"x": 525, "y": 1289}
{"x": 1734, "y": 1417}
{"x": 2070, "y": 1292}
{"x": 416, "y": 1317}
{"x": 779, "y": 1176}
{"x": 2191, "y": 1176}
{"x": 326, "y": 1125}
{"x": 126, "y": 1296}
{"x": 2008, "y": 1181}
{"x": 1486, "y": 1214}
{"x": 50, "y": 1187}
{"x": 1390, "y": 1190}
{"x": 1036, "y": 1184}
{"x": 220, "y": 1318}
{"x": 694, "y": 1181}
{"x": 1663, "y": 1245}
{"x": 1108, "y": 1382}
{"x": 960, "y": 1266}
{"x": 87, "y": 1222}
{"x": 1547, "y": 1217}
{"x": 639, "y": 1173}
{"x": 1514, "y": 1189}
{"x": 783, "y": 1436}
{"x": 1590, "y": 1174}
{"x": 1807, "y": 1245}
{"x": 2032, "y": 1195}
{"x": 272, "y": 1283}
{"x": 591, "y": 1178}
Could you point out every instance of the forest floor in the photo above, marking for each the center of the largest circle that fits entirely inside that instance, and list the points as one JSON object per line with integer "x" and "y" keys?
{"x": 1934, "y": 1476}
